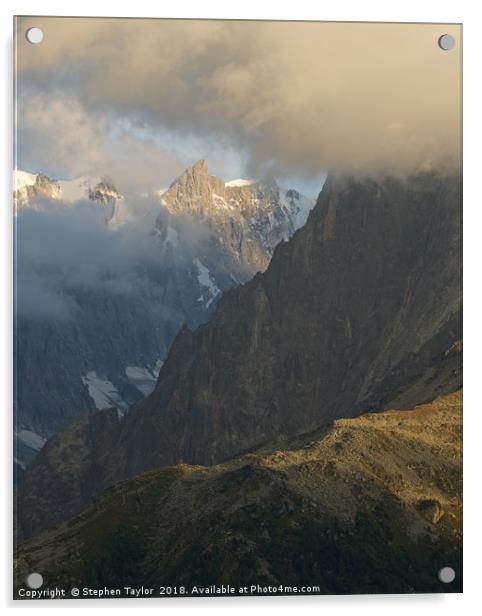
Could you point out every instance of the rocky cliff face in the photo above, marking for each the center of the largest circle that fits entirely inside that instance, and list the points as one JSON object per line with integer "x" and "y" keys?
{"x": 371, "y": 504}
{"x": 359, "y": 311}
{"x": 248, "y": 218}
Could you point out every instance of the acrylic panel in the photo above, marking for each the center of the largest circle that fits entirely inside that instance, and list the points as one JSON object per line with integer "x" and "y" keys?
{"x": 238, "y": 300}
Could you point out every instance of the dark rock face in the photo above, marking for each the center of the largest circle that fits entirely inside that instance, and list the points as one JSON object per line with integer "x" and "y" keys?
{"x": 64, "y": 472}
{"x": 359, "y": 311}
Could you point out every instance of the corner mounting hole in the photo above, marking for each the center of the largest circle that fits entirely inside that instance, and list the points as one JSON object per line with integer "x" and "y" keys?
{"x": 446, "y": 42}
{"x": 34, "y": 580}
{"x": 446, "y": 575}
{"x": 34, "y": 35}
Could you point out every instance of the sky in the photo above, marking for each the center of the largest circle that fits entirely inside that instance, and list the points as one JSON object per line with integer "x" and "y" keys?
{"x": 138, "y": 100}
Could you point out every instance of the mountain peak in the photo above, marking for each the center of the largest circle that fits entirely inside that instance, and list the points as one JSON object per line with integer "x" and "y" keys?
{"x": 200, "y": 167}
{"x": 196, "y": 174}
{"x": 29, "y": 187}
{"x": 251, "y": 216}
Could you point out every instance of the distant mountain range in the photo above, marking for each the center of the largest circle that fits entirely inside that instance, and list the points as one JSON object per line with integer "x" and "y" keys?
{"x": 30, "y": 189}
{"x": 142, "y": 268}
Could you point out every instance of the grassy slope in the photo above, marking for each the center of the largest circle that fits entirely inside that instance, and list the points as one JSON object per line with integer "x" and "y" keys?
{"x": 371, "y": 504}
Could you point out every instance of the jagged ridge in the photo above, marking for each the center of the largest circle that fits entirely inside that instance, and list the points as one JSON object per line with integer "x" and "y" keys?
{"x": 249, "y": 219}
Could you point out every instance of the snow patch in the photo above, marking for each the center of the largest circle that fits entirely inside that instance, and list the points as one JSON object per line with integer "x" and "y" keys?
{"x": 22, "y": 465}
{"x": 21, "y": 179}
{"x": 31, "y": 439}
{"x": 297, "y": 205}
{"x": 220, "y": 201}
{"x": 206, "y": 282}
{"x": 240, "y": 182}
{"x": 144, "y": 379}
{"x": 102, "y": 391}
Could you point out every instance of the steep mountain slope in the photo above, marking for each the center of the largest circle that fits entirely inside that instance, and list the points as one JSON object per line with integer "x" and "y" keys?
{"x": 125, "y": 282}
{"x": 371, "y": 504}
{"x": 81, "y": 456}
{"x": 359, "y": 311}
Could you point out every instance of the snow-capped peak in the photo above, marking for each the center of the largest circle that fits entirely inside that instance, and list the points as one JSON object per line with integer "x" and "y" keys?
{"x": 22, "y": 179}
{"x": 30, "y": 189}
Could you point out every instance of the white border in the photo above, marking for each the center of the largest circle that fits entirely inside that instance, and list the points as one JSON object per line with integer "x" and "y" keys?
{"x": 466, "y": 12}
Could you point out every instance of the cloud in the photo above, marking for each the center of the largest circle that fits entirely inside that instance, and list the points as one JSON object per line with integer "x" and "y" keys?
{"x": 57, "y": 134}
{"x": 35, "y": 300}
{"x": 66, "y": 250}
{"x": 299, "y": 97}
{"x": 63, "y": 249}
{"x": 55, "y": 131}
